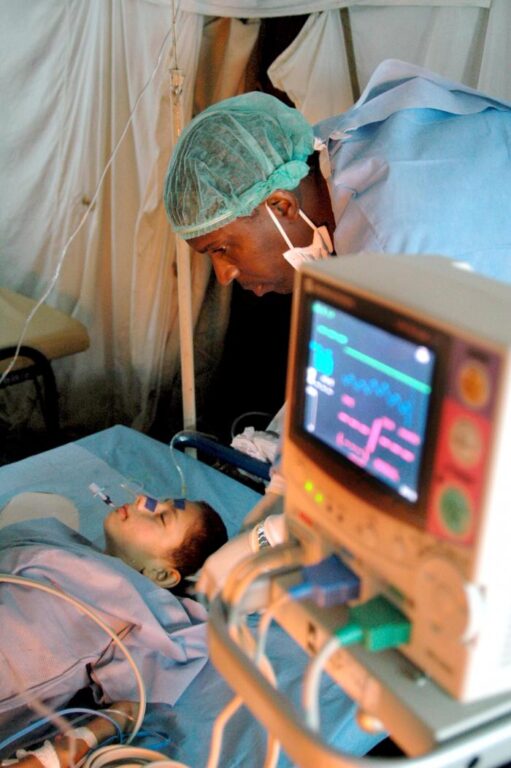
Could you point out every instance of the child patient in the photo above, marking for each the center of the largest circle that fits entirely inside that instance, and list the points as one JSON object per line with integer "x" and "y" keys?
{"x": 168, "y": 540}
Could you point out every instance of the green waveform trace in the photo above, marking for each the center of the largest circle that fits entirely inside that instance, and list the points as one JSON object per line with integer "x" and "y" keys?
{"x": 388, "y": 370}
{"x": 324, "y": 330}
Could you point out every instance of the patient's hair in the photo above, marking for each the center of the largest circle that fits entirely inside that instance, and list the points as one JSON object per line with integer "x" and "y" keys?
{"x": 204, "y": 539}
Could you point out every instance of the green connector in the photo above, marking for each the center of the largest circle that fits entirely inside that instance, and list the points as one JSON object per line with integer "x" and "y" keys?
{"x": 376, "y": 624}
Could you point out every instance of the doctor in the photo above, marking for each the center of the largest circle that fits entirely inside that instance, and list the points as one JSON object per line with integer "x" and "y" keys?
{"x": 417, "y": 165}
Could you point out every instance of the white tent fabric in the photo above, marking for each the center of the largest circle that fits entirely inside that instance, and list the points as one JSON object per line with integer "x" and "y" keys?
{"x": 319, "y": 50}
{"x": 227, "y": 45}
{"x": 273, "y": 8}
{"x": 70, "y": 75}
{"x": 461, "y": 43}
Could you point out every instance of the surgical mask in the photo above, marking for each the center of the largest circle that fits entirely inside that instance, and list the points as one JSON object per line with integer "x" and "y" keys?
{"x": 320, "y": 248}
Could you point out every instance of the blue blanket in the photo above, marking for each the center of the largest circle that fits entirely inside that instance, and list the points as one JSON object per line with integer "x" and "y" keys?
{"x": 167, "y": 635}
{"x": 51, "y": 650}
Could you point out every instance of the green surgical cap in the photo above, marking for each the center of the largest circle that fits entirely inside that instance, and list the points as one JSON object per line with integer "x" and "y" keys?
{"x": 231, "y": 157}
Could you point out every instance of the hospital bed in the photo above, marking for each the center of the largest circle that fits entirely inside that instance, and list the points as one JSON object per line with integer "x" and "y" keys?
{"x": 118, "y": 459}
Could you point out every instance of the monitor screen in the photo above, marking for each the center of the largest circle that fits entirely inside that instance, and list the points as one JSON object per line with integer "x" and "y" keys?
{"x": 367, "y": 395}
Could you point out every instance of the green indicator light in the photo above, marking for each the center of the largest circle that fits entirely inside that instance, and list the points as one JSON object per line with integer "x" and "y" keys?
{"x": 319, "y": 498}
{"x": 309, "y": 486}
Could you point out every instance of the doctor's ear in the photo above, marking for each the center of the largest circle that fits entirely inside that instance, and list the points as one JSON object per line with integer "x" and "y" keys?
{"x": 164, "y": 576}
{"x": 283, "y": 202}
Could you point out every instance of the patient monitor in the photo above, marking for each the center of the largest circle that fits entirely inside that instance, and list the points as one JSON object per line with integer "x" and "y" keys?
{"x": 397, "y": 450}
{"x": 397, "y": 460}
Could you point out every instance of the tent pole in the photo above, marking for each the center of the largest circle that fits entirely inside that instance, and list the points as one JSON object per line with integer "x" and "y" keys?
{"x": 184, "y": 281}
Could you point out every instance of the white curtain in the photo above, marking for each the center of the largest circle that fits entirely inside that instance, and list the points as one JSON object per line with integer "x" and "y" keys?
{"x": 314, "y": 69}
{"x": 272, "y": 8}
{"x": 464, "y": 41}
{"x": 70, "y": 74}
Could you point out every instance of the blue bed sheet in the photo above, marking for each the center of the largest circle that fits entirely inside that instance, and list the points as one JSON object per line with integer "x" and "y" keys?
{"x": 116, "y": 457}
{"x": 119, "y": 455}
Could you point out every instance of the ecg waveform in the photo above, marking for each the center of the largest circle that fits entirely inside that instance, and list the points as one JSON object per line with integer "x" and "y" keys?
{"x": 367, "y": 395}
{"x": 382, "y": 435}
{"x": 382, "y": 389}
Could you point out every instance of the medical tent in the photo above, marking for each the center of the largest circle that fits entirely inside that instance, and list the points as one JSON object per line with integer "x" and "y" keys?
{"x": 93, "y": 93}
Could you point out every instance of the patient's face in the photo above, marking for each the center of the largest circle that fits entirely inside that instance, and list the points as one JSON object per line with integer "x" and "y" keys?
{"x": 136, "y": 535}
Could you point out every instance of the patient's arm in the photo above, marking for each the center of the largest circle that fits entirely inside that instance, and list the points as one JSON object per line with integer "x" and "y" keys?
{"x": 270, "y": 504}
{"x": 123, "y": 712}
{"x": 219, "y": 566}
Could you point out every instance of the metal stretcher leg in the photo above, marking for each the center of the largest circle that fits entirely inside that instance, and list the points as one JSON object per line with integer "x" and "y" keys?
{"x": 39, "y": 367}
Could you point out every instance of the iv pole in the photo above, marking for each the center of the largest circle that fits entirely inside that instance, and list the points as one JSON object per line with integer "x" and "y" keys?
{"x": 183, "y": 260}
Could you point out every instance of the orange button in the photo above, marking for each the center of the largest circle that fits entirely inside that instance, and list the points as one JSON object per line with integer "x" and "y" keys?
{"x": 474, "y": 384}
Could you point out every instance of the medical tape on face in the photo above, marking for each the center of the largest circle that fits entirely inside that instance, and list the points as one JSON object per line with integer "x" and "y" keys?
{"x": 150, "y": 504}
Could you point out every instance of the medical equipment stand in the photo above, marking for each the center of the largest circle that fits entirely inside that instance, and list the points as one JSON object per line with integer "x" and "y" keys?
{"x": 439, "y": 731}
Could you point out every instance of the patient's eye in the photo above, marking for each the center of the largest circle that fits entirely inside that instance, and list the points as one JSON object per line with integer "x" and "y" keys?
{"x": 162, "y": 518}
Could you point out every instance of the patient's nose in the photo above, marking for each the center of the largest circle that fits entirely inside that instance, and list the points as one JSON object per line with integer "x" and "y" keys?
{"x": 145, "y": 503}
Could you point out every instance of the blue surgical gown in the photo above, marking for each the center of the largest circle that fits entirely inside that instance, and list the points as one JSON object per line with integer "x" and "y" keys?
{"x": 422, "y": 165}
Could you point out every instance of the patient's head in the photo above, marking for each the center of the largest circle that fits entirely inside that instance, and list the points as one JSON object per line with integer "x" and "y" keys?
{"x": 167, "y": 544}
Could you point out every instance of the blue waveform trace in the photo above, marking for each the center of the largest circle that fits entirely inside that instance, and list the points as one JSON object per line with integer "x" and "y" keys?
{"x": 381, "y": 389}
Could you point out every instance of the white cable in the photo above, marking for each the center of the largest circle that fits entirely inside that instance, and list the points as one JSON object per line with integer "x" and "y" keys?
{"x": 264, "y": 664}
{"x": 259, "y": 654}
{"x": 235, "y": 588}
{"x": 218, "y": 730}
{"x": 312, "y": 678}
{"x": 264, "y": 624}
{"x": 288, "y": 555}
{"x": 113, "y": 753}
{"x": 85, "y": 215}
{"x": 243, "y": 415}
{"x": 179, "y": 470}
{"x": 25, "y": 582}
{"x": 273, "y": 747}
{"x": 167, "y": 764}
{"x": 39, "y": 707}
{"x": 259, "y": 657}
{"x": 175, "y": 462}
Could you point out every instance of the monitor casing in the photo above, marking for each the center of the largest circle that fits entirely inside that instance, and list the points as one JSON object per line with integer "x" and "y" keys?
{"x": 437, "y": 546}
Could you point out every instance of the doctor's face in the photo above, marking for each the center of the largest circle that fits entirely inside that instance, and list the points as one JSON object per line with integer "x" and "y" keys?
{"x": 136, "y": 535}
{"x": 248, "y": 250}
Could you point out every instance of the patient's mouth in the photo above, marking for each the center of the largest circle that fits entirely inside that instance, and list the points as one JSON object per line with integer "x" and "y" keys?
{"x": 123, "y": 512}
